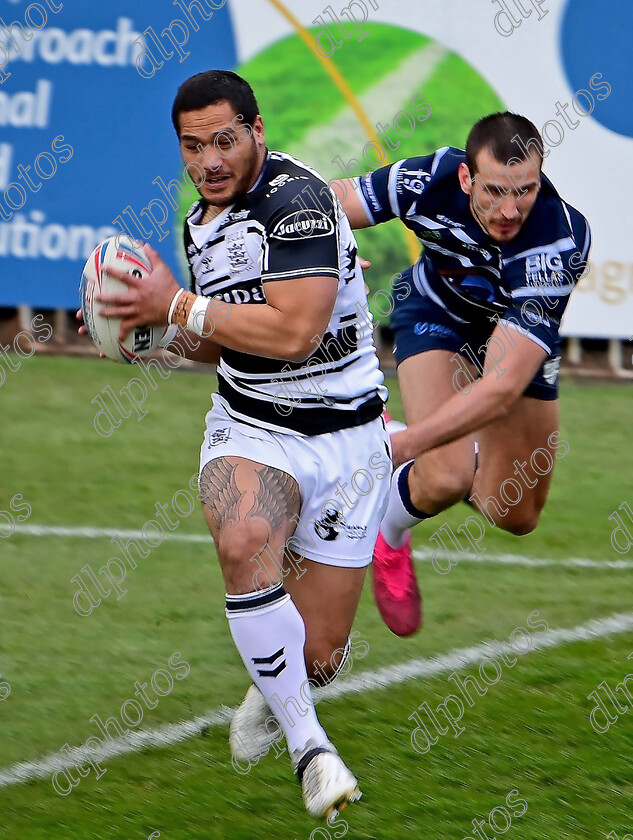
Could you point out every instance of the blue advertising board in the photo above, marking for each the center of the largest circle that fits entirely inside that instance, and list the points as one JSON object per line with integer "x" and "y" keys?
{"x": 86, "y": 142}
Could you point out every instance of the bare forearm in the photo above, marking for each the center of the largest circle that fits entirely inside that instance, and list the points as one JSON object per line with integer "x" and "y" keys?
{"x": 194, "y": 347}
{"x": 288, "y": 326}
{"x": 348, "y": 192}
{"x": 486, "y": 400}
{"x": 458, "y": 416}
{"x": 284, "y": 327}
{"x": 260, "y": 330}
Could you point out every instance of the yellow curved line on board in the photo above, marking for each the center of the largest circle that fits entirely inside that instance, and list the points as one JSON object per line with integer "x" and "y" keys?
{"x": 413, "y": 244}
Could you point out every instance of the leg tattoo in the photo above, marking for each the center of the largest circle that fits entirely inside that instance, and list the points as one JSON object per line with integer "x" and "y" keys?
{"x": 276, "y": 499}
{"x": 220, "y": 493}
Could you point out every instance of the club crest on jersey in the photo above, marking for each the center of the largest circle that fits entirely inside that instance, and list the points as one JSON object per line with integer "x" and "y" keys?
{"x": 219, "y": 436}
{"x": 303, "y": 223}
{"x": 239, "y": 258}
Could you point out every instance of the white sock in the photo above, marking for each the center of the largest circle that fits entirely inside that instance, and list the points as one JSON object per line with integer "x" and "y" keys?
{"x": 401, "y": 513}
{"x": 269, "y": 634}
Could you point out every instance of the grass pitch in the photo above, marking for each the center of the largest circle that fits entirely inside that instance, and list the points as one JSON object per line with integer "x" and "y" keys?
{"x": 530, "y": 732}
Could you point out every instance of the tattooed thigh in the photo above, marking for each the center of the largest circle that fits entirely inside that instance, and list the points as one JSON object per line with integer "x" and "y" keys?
{"x": 220, "y": 493}
{"x": 277, "y": 498}
{"x": 236, "y": 489}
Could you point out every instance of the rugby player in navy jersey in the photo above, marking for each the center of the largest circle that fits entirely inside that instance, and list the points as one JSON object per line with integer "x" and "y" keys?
{"x": 476, "y": 324}
{"x": 277, "y": 295}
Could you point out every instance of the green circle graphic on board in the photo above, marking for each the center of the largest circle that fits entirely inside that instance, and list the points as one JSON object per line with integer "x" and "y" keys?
{"x": 416, "y": 94}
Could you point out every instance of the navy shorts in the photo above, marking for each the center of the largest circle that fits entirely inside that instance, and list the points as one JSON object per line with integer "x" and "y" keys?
{"x": 419, "y": 324}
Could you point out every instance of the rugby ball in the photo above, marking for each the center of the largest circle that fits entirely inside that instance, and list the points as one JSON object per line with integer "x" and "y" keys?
{"x": 118, "y": 252}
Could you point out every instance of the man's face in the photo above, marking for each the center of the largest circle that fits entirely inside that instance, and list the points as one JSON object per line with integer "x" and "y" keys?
{"x": 500, "y": 196}
{"x": 217, "y": 140}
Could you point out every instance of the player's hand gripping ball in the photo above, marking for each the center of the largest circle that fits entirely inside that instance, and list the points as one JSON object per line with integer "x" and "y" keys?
{"x": 115, "y": 252}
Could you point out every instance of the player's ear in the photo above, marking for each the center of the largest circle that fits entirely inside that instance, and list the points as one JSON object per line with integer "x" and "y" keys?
{"x": 465, "y": 182}
{"x": 258, "y": 130}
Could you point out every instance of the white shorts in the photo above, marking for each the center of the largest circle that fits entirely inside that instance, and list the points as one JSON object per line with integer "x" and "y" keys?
{"x": 343, "y": 478}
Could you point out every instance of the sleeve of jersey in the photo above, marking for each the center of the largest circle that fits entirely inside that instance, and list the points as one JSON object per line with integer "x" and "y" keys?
{"x": 302, "y": 236}
{"x": 387, "y": 193}
{"x": 538, "y": 316}
{"x": 531, "y": 319}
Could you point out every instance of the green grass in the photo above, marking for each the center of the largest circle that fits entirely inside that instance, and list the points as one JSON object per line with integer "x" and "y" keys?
{"x": 531, "y": 731}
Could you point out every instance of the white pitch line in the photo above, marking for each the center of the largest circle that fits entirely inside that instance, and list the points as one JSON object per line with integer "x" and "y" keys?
{"x": 425, "y": 555}
{"x": 367, "y": 681}
{"x": 98, "y": 533}
{"x": 462, "y": 657}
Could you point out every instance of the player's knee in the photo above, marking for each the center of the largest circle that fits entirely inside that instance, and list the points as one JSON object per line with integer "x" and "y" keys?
{"x": 443, "y": 487}
{"x": 246, "y": 562}
{"x": 521, "y": 522}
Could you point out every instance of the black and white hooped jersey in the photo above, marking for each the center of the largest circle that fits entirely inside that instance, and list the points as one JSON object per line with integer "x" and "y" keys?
{"x": 538, "y": 268}
{"x": 289, "y": 225}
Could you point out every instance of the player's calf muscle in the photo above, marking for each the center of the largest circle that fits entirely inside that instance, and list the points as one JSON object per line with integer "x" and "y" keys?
{"x": 522, "y": 523}
{"x": 510, "y": 505}
{"x": 324, "y": 656}
{"x": 437, "y": 484}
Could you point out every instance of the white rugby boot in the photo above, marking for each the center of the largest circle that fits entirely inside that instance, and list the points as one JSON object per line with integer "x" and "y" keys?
{"x": 326, "y": 782}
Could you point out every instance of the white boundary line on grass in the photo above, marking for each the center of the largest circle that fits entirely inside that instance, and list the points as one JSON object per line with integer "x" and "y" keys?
{"x": 89, "y": 533}
{"x": 423, "y": 555}
{"x": 370, "y": 680}
{"x": 426, "y": 555}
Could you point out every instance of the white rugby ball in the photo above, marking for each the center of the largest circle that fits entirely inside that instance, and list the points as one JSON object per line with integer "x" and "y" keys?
{"x": 115, "y": 252}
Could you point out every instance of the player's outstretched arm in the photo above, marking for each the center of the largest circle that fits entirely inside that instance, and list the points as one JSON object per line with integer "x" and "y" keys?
{"x": 288, "y": 326}
{"x": 486, "y": 400}
{"x": 348, "y": 192}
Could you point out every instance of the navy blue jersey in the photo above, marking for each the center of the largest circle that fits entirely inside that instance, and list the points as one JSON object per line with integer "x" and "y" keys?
{"x": 532, "y": 276}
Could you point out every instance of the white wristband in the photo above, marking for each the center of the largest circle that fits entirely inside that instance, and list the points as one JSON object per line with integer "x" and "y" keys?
{"x": 169, "y": 335}
{"x": 197, "y": 317}
{"x": 172, "y": 305}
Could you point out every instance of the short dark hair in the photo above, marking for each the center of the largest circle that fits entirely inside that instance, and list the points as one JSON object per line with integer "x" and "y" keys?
{"x": 506, "y": 135}
{"x": 215, "y": 86}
